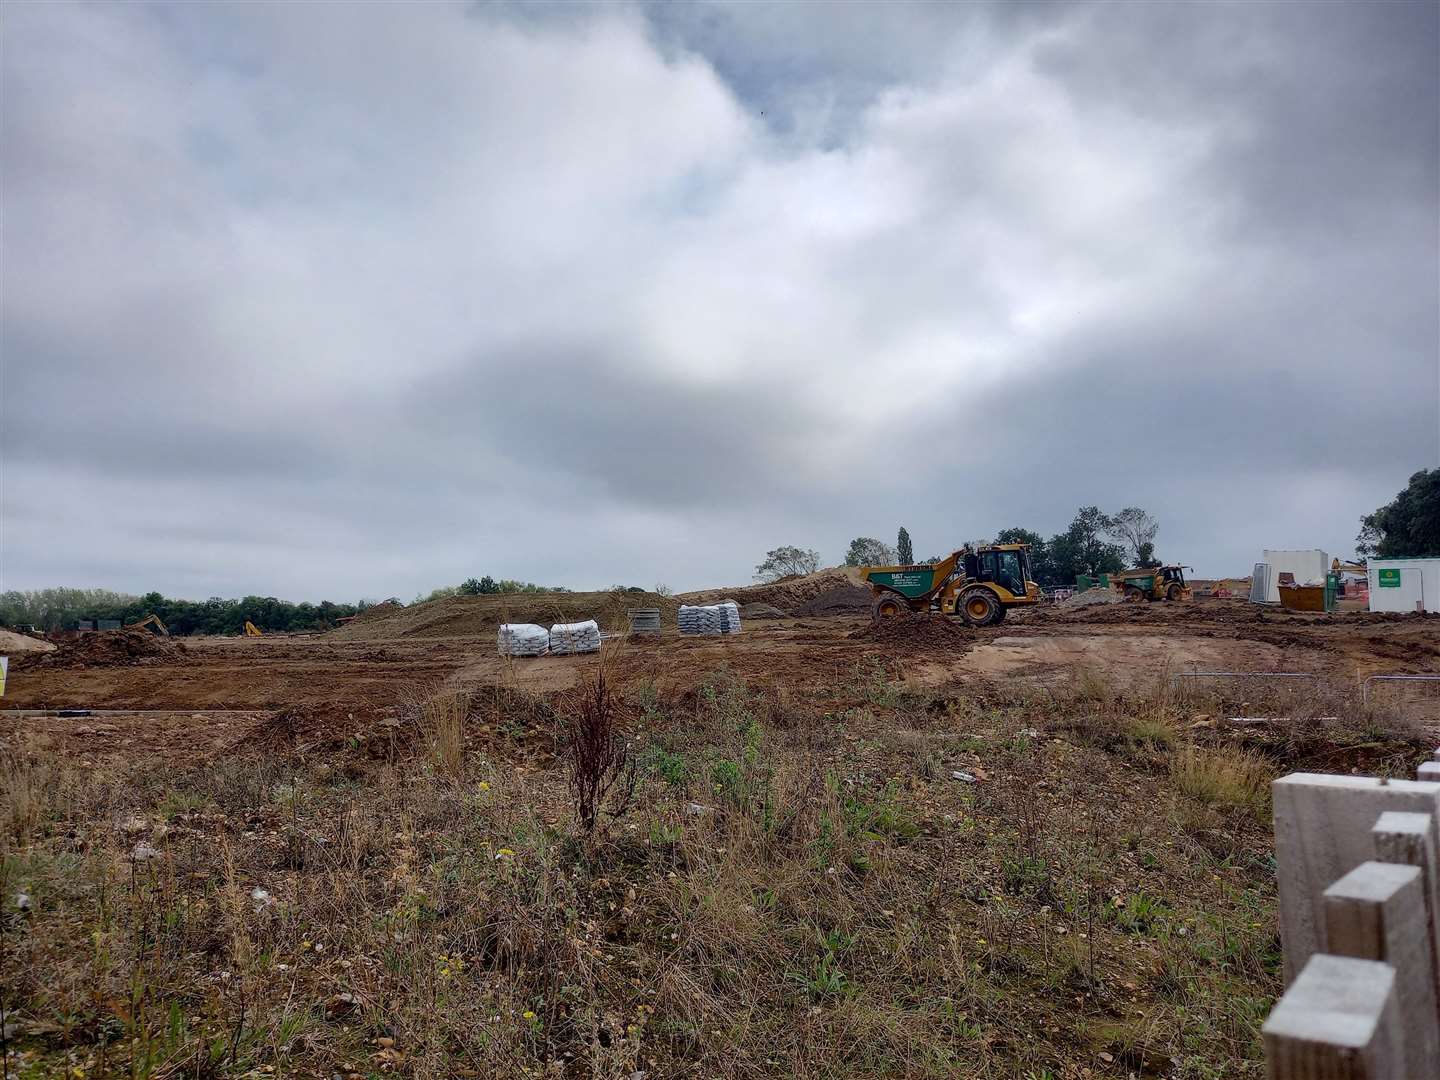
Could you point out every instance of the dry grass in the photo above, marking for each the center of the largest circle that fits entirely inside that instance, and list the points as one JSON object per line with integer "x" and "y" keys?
{"x": 444, "y": 718}
{"x": 799, "y": 889}
{"x": 1222, "y": 776}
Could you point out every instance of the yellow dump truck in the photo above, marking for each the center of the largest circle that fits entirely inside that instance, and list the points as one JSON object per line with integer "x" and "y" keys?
{"x": 977, "y": 585}
{"x": 1153, "y": 583}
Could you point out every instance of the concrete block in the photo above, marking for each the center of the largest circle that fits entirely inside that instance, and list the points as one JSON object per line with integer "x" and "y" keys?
{"x": 1428, "y": 771}
{"x": 1377, "y": 912}
{"x": 1323, "y": 831}
{"x": 1338, "y": 1021}
{"x": 1410, "y": 840}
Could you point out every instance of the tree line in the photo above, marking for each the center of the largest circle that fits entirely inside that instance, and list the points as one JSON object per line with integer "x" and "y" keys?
{"x": 1095, "y": 543}
{"x": 63, "y": 608}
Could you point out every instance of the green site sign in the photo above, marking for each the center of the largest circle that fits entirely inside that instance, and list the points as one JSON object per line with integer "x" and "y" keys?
{"x": 1389, "y": 579}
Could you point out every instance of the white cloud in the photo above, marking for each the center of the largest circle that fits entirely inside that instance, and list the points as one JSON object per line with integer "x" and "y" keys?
{"x": 337, "y": 301}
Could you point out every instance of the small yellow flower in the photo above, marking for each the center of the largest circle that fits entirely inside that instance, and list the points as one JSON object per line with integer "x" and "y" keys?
{"x": 504, "y": 852}
{"x": 305, "y": 946}
{"x": 484, "y": 785}
{"x": 528, "y": 1014}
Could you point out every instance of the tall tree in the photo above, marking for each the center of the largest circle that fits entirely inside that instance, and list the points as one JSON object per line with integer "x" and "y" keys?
{"x": 904, "y": 550}
{"x": 1407, "y": 525}
{"x": 1135, "y": 529}
{"x": 1041, "y": 569}
{"x": 1082, "y": 548}
{"x": 786, "y": 562}
{"x": 867, "y": 551}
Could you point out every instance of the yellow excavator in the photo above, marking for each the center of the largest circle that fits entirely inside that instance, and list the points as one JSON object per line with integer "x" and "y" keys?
{"x": 976, "y": 584}
{"x": 150, "y": 622}
{"x": 251, "y": 630}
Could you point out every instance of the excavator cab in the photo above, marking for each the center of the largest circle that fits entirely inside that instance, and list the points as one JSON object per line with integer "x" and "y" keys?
{"x": 1007, "y": 567}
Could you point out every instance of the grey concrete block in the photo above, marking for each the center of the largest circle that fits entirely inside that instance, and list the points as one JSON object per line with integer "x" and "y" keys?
{"x": 1323, "y": 829}
{"x": 1377, "y": 912}
{"x": 1428, "y": 771}
{"x": 1410, "y": 840}
{"x": 1338, "y": 1021}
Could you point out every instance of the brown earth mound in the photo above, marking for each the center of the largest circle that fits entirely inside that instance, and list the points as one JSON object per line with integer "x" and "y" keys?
{"x": 108, "y": 648}
{"x": 936, "y": 631}
{"x": 478, "y": 616}
{"x": 788, "y": 593}
{"x": 12, "y": 643}
{"x": 379, "y": 611}
{"x": 842, "y": 599}
{"x": 760, "y": 611}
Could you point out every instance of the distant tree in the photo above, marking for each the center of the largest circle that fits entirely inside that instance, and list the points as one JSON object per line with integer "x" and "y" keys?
{"x": 488, "y": 586}
{"x": 1082, "y": 549}
{"x": 1408, "y": 525}
{"x": 1040, "y": 567}
{"x": 470, "y": 587}
{"x": 1136, "y": 530}
{"x": 867, "y": 551}
{"x": 1017, "y": 535}
{"x": 661, "y": 589}
{"x": 785, "y": 561}
{"x": 61, "y": 609}
{"x": 904, "y": 550}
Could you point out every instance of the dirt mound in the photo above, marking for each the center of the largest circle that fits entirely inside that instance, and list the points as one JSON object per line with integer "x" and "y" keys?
{"x": 926, "y": 631}
{"x": 1091, "y": 597}
{"x": 789, "y": 594}
{"x": 108, "y": 648}
{"x": 479, "y": 616}
{"x": 12, "y": 644}
{"x": 842, "y": 599}
{"x": 758, "y": 610}
{"x": 379, "y": 611}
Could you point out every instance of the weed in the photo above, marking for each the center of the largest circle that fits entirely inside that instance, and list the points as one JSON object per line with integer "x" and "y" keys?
{"x": 444, "y": 721}
{"x": 1222, "y": 777}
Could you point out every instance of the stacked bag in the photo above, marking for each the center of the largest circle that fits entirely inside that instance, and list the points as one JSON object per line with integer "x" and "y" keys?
{"x": 523, "y": 639}
{"x": 723, "y": 618}
{"x": 575, "y": 637}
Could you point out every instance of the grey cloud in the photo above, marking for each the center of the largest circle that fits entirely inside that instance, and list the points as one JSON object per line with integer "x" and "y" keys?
{"x": 316, "y": 305}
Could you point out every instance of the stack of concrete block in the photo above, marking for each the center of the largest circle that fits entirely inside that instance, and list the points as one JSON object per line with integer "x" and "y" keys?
{"x": 578, "y": 637}
{"x": 722, "y": 618}
{"x": 1357, "y": 864}
{"x": 523, "y": 639}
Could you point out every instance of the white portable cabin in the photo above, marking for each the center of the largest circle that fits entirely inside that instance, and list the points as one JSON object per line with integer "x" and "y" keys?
{"x": 1401, "y": 584}
{"x": 1309, "y": 567}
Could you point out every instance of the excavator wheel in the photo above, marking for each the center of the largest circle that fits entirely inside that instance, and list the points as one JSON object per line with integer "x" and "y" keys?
{"x": 887, "y": 607}
{"x": 978, "y": 607}
{"x": 1173, "y": 593}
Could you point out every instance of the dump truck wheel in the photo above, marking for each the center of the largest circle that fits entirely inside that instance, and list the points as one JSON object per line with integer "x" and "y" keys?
{"x": 887, "y": 607}
{"x": 1173, "y": 592}
{"x": 1133, "y": 594}
{"x": 978, "y": 607}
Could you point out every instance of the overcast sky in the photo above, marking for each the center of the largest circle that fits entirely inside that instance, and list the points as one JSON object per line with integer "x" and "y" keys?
{"x": 327, "y": 301}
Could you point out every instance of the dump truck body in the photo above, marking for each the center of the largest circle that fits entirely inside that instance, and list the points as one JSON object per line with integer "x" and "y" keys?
{"x": 1153, "y": 583}
{"x": 978, "y": 585}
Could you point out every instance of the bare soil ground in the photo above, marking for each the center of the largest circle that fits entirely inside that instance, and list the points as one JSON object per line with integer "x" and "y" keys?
{"x": 911, "y": 850}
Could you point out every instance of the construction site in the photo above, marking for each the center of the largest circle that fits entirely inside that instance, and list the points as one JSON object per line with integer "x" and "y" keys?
{"x": 845, "y": 839}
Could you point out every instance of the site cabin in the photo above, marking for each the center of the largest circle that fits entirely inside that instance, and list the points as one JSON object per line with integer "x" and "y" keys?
{"x": 1401, "y": 584}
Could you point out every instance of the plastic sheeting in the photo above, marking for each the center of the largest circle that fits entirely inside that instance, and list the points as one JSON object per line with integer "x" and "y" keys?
{"x": 575, "y": 637}
{"x": 722, "y": 618}
{"x": 523, "y": 639}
